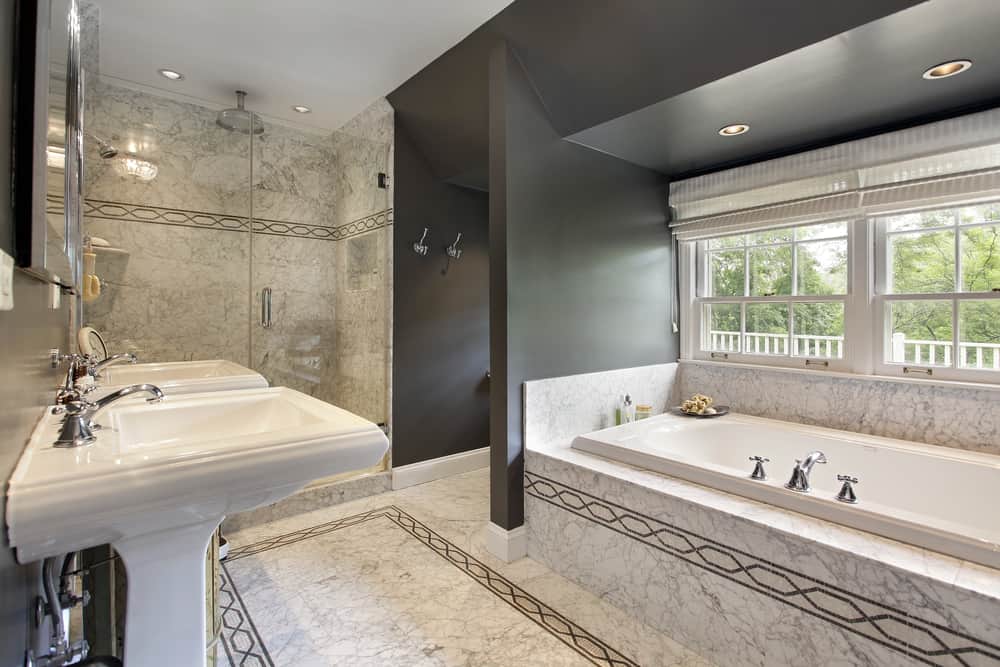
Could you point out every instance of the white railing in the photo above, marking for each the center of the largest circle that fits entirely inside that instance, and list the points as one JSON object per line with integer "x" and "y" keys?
{"x": 939, "y": 353}
{"x": 827, "y": 347}
{"x": 904, "y": 350}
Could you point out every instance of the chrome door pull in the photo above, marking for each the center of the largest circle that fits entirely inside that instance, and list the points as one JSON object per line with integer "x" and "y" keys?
{"x": 265, "y": 307}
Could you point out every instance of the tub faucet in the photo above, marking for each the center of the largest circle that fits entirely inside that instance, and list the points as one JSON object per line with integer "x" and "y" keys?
{"x": 78, "y": 426}
{"x": 95, "y": 368}
{"x": 800, "y": 473}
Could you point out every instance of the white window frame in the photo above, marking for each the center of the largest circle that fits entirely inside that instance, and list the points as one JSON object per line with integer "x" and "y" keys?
{"x": 866, "y": 336}
{"x": 882, "y": 300}
{"x": 695, "y": 267}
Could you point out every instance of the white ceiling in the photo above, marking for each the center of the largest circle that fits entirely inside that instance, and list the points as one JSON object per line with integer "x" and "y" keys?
{"x": 334, "y": 56}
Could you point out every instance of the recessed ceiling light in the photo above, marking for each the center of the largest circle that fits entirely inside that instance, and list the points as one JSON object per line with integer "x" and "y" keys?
{"x": 173, "y": 75}
{"x": 735, "y": 129}
{"x": 298, "y": 108}
{"x": 950, "y": 68}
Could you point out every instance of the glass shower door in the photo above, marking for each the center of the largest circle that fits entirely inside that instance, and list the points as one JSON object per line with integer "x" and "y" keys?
{"x": 319, "y": 280}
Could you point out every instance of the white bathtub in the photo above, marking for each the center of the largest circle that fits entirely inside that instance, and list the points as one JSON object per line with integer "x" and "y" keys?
{"x": 942, "y": 499}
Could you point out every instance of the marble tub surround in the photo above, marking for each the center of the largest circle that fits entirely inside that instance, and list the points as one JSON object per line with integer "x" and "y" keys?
{"x": 403, "y": 578}
{"x": 745, "y": 583}
{"x": 563, "y": 407}
{"x": 936, "y": 413}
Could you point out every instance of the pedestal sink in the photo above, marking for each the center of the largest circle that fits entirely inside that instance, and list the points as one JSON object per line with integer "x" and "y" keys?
{"x": 159, "y": 480}
{"x": 182, "y": 377}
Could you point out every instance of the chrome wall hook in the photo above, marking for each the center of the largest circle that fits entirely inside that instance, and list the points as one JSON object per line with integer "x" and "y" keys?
{"x": 453, "y": 250}
{"x": 420, "y": 247}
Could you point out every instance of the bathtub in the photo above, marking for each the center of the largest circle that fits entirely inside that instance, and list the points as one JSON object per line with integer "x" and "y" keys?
{"x": 942, "y": 499}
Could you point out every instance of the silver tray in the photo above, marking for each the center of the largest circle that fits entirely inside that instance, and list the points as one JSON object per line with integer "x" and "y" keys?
{"x": 719, "y": 411}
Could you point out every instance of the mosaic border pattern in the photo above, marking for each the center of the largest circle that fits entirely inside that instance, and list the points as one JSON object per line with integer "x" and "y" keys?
{"x": 572, "y": 635}
{"x": 878, "y": 622}
{"x": 240, "y": 639}
{"x": 175, "y": 217}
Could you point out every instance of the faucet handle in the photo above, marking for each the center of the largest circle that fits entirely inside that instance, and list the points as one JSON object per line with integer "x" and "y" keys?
{"x": 758, "y": 469}
{"x": 846, "y": 494}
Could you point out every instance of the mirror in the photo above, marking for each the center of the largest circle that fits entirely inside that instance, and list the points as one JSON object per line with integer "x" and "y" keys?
{"x": 48, "y": 140}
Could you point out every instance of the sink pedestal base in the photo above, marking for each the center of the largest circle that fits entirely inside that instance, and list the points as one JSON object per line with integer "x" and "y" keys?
{"x": 165, "y": 620}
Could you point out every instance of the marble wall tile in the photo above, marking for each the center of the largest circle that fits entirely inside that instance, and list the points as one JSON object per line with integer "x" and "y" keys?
{"x": 740, "y": 591}
{"x": 936, "y": 414}
{"x": 185, "y": 290}
{"x": 564, "y": 407}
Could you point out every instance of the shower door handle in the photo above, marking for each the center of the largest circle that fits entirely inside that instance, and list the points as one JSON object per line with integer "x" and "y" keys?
{"x": 265, "y": 308}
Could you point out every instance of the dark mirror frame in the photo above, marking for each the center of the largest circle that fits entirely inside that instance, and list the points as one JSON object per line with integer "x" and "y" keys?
{"x": 33, "y": 250}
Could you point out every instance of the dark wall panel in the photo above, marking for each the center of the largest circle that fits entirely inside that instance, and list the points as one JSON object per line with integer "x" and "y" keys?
{"x": 27, "y": 382}
{"x": 587, "y": 261}
{"x": 440, "y": 394}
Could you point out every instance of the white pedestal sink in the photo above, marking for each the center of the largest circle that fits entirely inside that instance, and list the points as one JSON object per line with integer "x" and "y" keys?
{"x": 159, "y": 480}
{"x": 182, "y": 377}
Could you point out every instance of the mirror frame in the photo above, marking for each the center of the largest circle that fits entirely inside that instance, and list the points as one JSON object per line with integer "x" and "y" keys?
{"x": 31, "y": 109}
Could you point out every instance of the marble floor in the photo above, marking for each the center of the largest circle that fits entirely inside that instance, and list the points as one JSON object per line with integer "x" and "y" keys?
{"x": 403, "y": 578}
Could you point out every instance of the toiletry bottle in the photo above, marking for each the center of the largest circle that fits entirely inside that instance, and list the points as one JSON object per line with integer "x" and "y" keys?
{"x": 628, "y": 410}
{"x": 619, "y": 412}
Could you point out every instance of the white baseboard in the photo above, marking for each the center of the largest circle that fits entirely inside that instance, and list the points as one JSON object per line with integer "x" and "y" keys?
{"x": 445, "y": 466}
{"x": 507, "y": 545}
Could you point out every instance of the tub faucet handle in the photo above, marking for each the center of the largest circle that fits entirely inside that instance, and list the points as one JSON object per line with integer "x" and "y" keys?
{"x": 758, "y": 469}
{"x": 846, "y": 494}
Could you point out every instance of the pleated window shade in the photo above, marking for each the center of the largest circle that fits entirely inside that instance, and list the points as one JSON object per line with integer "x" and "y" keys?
{"x": 938, "y": 164}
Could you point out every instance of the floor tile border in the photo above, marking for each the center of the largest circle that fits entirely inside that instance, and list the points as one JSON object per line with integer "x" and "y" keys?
{"x": 753, "y": 572}
{"x": 571, "y": 634}
{"x": 243, "y": 644}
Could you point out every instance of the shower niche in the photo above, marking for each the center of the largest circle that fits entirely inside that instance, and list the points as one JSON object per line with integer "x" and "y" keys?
{"x": 220, "y": 233}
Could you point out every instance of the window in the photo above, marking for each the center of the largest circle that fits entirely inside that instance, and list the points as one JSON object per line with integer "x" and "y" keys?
{"x": 911, "y": 294}
{"x": 776, "y": 294}
{"x": 938, "y": 292}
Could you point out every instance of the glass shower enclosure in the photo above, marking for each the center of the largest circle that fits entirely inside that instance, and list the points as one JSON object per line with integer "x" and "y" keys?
{"x": 217, "y": 234}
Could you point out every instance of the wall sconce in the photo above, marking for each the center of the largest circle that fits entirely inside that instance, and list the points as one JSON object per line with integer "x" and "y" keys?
{"x": 420, "y": 247}
{"x": 453, "y": 250}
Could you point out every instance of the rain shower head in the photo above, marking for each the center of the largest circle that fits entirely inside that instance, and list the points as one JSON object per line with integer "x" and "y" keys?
{"x": 239, "y": 119}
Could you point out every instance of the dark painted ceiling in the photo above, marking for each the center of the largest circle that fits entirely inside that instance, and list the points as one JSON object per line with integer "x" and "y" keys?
{"x": 860, "y": 82}
{"x": 595, "y": 60}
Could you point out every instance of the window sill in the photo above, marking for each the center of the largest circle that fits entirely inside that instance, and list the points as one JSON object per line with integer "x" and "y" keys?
{"x": 844, "y": 375}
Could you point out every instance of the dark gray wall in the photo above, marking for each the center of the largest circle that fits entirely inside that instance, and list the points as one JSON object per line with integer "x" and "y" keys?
{"x": 580, "y": 262}
{"x": 27, "y": 383}
{"x": 440, "y": 395}
{"x": 594, "y": 60}
{"x": 6, "y": 111}
{"x": 26, "y": 380}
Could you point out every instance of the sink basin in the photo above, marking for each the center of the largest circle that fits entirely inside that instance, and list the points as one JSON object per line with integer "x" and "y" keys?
{"x": 159, "y": 480}
{"x": 182, "y": 377}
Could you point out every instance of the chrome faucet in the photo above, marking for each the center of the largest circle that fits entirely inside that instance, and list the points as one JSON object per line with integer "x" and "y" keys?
{"x": 800, "y": 473}
{"x": 94, "y": 368}
{"x": 78, "y": 427}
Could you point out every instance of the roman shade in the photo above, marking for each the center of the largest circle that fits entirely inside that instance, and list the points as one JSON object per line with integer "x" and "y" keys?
{"x": 937, "y": 164}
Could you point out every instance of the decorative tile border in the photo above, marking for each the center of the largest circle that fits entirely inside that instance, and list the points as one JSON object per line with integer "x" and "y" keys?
{"x": 926, "y": 642}
{"x": 242, "y": 642}
{"x": 587, "y": 645}
{"x": 175, "y": 217}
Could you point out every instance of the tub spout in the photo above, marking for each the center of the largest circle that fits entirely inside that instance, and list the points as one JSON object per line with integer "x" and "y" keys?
{"x": 800, "y": 473}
